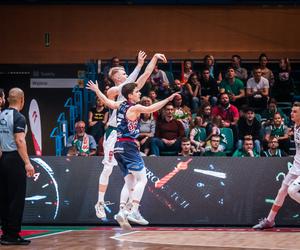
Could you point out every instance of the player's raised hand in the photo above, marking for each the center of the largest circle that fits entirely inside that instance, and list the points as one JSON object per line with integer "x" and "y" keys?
{"x": 161, "y": 57}
{"x": 141, "y": 58}
{"x": 92, "y": 86}
{"x": 171, "y": 97}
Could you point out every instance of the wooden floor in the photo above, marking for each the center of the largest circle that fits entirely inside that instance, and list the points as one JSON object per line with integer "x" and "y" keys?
{"x": 166, "y": 239}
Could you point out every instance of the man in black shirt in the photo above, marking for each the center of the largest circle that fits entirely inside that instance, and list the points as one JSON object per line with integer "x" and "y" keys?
{"x": 14, "y": 165}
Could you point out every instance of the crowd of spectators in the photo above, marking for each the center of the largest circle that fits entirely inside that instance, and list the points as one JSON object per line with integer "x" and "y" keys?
{"x": 228, "y": 111}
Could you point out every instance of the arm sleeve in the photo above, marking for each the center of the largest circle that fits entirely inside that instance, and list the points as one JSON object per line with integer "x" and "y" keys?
{"x": 19, "y": 123}
{"x": 133, "y": 76}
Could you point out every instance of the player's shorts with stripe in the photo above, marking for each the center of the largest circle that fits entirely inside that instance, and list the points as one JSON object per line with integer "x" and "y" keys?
{"x": 128, "y": 156}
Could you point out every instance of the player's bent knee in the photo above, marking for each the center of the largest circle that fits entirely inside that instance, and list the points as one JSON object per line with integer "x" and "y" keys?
{"x": 106, "y": 172}
{"x": 294, "y": 189}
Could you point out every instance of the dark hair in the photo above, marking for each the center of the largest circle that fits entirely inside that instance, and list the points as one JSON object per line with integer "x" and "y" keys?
{"x": 128, "y": 89}
{"x": 273, "y": 100}
{"x": 185, "y": 139}
{"x": 228, "y": 68}
{"x": 205, "y": 69}
{"x": 237, "y": 56}
{"x": 192, "y": 75}
{"x": 115, "y": 57}
{"x": 271, "y": 138}
{"x": 262, "y": 55}
{"x": 256, "y": 67}
{"x": 296, "y": 104}
{"x": 1, "y": 93}
{"x": 247, "y": 109}
{"x": 215, "y": 135}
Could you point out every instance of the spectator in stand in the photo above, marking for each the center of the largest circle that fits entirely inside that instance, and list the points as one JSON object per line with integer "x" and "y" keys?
{"x": 214, "y": 149}
{"x": 147, "y": 130}
{"x": 247, "y": 150}
{"x": 187, "y": 70}
{"x": 178, "y": 86}
{"x": 115, "y": 62}
{"x": 228, "y": 113}
{"x": 205, "y": 113}
{"x": 273, "y": 149}
{"x": 160, "y": 83}
{"x": 98, "y": 117}
{"x": 280, "y": 131}
{"x": 234, "y": 87}
{"x": 193, "y": 87}
{"x": 168, "y": 132}
{"x": 209, "y": 62}
{"x": 284, "y": 84}
{"x": 249, "y": 125}
{"x": 81, "y": 144}
{"x": 147, "y": 101}
{"x": 212, "y": 124}
{"x": 265, "y": 71}
{"x": 2, "y": 100}
{"x": 209, "y": 88}
{"x": 186, "y": 148}
{"x": 153, "y": 96}
{"x": 182, "y": 113}
{"x": 240, "y": 72}
{"x": 196, "y": 134}
{"x": 145, "y": 90}
{"x": 268, "y": 113}
{"x": 258, "y": 89}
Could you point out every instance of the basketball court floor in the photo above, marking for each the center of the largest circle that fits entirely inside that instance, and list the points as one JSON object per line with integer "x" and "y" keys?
{"x": 162, "y": 238}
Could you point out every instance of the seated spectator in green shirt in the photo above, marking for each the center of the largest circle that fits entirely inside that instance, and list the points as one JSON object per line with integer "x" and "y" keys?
{"x": 273, "y": 149}
{"x": 214, "y": 149}
{"x": 279, "y": 130}
{"x": 268, "y": 114}
{"x": 247, "y": 150}
{"x": 234, "y": 87}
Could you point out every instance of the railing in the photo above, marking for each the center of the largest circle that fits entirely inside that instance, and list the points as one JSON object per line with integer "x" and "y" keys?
{"x": 60, "y": 133}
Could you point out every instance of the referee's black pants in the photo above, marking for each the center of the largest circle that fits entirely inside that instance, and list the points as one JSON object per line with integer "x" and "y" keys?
{"x": 12, "y": 192}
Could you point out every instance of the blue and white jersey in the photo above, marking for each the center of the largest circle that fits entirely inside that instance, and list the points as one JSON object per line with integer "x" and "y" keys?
{"x": 125, "y": 127}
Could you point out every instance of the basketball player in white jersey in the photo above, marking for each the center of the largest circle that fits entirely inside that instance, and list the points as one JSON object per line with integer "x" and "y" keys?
{"x": 119, "y": 77}
{"x": 291, "y": 183}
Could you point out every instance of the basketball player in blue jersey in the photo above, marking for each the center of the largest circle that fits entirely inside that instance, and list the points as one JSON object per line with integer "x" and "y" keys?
{"x": 291, "y": 182}
{"x": 126, "y": 150}
{"x": 120, "y": 78}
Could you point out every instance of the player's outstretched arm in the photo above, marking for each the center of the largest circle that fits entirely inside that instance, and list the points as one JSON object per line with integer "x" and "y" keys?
{"x": 95, "y": 88}
{"x": 115, "y": 91}
{"x": 149, "y": 69}
{"x": 136, "y": 110}
{"x": 135, "y": 73}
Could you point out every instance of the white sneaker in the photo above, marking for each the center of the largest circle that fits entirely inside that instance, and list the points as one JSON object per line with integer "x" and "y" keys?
{"x": 136, "y": 217}
{"x": 100, "y": 210}
{"x": 121, "y": 218}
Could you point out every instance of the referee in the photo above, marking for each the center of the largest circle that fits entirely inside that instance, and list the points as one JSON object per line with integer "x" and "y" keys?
{"x": 14, "y": 165}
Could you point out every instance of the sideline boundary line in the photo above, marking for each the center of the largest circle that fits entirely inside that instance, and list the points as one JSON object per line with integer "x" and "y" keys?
{"x": 50, "y": 234}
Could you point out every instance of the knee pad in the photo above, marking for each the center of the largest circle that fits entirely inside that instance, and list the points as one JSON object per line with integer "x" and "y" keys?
{"x": 294, "y": 188}
{"x": 106, "y": 172}
{"x": 140, "y": 176}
